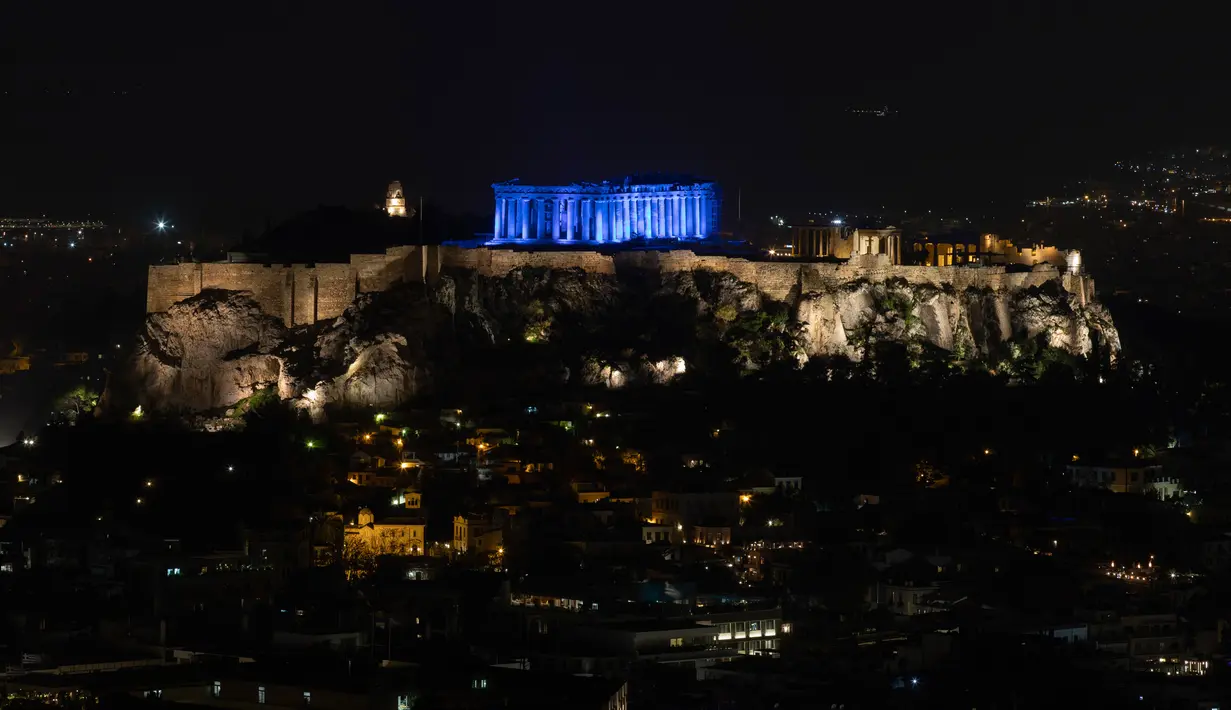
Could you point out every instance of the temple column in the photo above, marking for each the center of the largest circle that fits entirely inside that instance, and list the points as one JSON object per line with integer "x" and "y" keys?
{"x": 660, "y": 216}
{"x": 585, "y": 220}
{"x": 675, "y": 216}
{"x": 555, "y": 218}
{"x": 540, "y": 221}
{"x": 499, "y": 218}
{"x": 524, "y": 208}
{"x": 651, "y": 229}
{"x": 686, "y": 228}
{"x": 702, "y": 226}
{"x": 568, "y": 219}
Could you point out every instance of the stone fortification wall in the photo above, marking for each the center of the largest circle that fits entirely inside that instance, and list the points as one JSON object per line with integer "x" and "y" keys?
{"x": 298, "y": 294}
{"x": 306, "y": 293}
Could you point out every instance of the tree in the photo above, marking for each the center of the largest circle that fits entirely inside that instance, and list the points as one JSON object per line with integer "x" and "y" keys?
{"x": 76, "y": 402}
{"x": 761, "y": 338}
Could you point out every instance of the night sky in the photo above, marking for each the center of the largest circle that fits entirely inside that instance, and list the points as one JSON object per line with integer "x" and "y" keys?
{"x": 224, "y": 115}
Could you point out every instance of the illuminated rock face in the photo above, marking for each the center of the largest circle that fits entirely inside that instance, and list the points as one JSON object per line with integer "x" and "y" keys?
{"x": 210, "y": 351}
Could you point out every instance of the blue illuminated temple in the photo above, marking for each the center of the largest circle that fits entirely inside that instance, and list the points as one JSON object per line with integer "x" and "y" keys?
{"x": 605, "y": 213}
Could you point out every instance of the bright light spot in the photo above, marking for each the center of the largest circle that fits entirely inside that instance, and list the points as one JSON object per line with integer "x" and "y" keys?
{"x": 149, "y": 483}
{"x": 140, "y": 501}
{"x": 837, "y": 220}
{"x": 162, "y": 225}
{"x": 745, "y": 498}
{"x": 679, "y": 526}
{"x": 310, "y": 395}
{"x": 405, "y": 465}
{"x": 138, "y": 412}
{"x": 231, "y": 469}
{"x": 311, "y": 444}
{"x": 380, "y": 418}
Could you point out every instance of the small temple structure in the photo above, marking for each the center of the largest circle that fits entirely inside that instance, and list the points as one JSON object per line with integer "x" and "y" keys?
{"x": 606, "y": 212}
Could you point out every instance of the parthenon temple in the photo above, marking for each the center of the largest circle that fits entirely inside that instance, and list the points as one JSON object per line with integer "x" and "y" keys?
{"x": 605, "y": 212}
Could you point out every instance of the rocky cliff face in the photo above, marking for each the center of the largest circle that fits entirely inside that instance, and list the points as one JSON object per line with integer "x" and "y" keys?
{"x": 215, "y": 350}
{"x": 971, "y": 323}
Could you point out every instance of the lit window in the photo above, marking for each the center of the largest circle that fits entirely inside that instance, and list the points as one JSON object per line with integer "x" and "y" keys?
{"x": 677, "y": 642}
{"x": 217, "y": 689}
{"x": 260, "y": 694}
{"x": 307, "y": 697}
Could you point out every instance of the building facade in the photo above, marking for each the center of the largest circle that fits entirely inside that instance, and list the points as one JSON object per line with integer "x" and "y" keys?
{"x": 398, "y": 535}
{"x": 605, "y": 213}
{"x": 821, "y": 241}
{"x": 1137, "y": 478}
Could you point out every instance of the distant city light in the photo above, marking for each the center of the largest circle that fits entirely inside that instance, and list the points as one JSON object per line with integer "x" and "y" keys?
{"x": 162, "y": 226}
{"x": 837, "y": 220}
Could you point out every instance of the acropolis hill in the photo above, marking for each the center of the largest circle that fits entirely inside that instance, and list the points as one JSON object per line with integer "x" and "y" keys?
{"x": 602, "y": 284}
{"x": 382, "y": 328}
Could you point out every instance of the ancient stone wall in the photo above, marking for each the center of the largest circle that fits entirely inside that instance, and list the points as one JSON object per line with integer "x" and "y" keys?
{"x": 168, "y": 285}
{"x": 306, "y": 293}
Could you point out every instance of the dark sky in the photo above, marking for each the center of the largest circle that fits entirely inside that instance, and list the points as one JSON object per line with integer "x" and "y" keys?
{"x": 225, "y": 114}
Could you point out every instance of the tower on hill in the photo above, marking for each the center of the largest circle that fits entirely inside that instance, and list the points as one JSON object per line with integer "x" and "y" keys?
{"x": 395, "y": 200}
